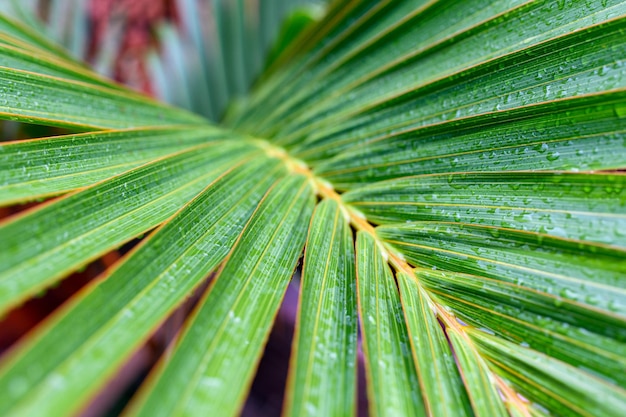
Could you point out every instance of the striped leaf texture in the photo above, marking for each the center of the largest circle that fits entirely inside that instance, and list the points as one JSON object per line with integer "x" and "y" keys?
{"x": 444, "y": 181}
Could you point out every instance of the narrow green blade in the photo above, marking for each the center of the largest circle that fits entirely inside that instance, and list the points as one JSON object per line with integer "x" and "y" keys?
{"x": 564, "y": 330}
{"x": 346, "y": 30}
{"x": 447, "y": 61}
{"x": 392, "y": 381}
{"x": 14, "y": 55}
{"x": 43, "y": 167}
{"x": 562, "y": 389}
{"x": 441, "y": 87}
{"x": 322, "y": 375}
{"x": 19, "y": 30}
{"x": 574, "y": 272}
{"x": 63, "y": 364}
{"x": 440, "y": 381}
{"x": 49, "y": 242}
{"x": 43, "y": 99}
{"x": 423, "y": 27}
{"x": 536, "y": 258}
{"x": 568, "y": 205}
{"x": 173, "y": 49}
{"x": 583, "y": 134}
{"x": 195, "y": 29}
{"x": 211, "y": 368}
{"x": 477, "y": 378}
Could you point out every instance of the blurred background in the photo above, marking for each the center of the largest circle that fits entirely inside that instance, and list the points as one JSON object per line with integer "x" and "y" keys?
{"x": 203, "y": 55}
{"x": 197, "y": 54}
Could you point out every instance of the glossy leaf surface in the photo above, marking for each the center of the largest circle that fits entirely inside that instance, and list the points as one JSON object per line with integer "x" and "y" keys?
{"x": 105, "y": 325}
{"x": 558, "y": 386}
{"x": 476, "y": 149}
{"x": 393, "y": 383}
{"x": 322, "y": 373}
{"x": 211, "y": 369}
{"x": 63, "y": 163}
{"x": 440, "y": 381}
{"x": 43, "y": 99}
{"x": 57, "y": 238}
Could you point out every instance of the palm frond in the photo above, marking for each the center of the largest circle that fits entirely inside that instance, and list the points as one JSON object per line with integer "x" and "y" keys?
{"x": 95, "y": 327}
{"x": 234, "y": 320}
{"x": 323, "y": 367}
{"x": 476, "y": 149}
{"x": 67, "y": 25}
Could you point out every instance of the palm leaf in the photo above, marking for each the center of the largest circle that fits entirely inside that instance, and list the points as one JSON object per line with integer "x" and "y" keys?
{"x": 15, "y": 30}
{"x": 582, "y": 133}
{"x": 324, "y": 351}
{"x": 52, "y": 101}
{"x": 234, "y": 319}
{"x": 475, "y": 147}
{"x": 105, "y": 324}
{"x": 67, "y": 25}
{"x": 52, "y": 240}
{"x": 559, "y": 386}
{"x": 393, "y": 384}
{"x": 442, "y": 386}
{"x": 51, "y": 170}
